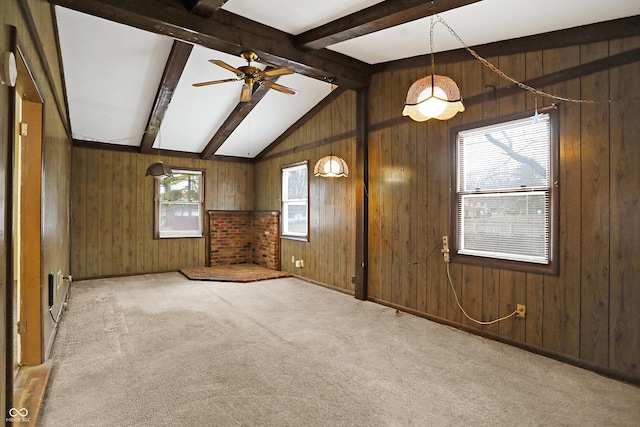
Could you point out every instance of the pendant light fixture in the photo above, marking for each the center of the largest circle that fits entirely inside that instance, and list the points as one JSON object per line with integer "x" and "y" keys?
{"x": 434, "y": 96}
{"x": 159, "y": 170}
{"x": 331, "y": 166}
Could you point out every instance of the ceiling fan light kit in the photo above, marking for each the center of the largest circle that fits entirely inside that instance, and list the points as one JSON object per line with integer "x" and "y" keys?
{"x": 251, "y": 75}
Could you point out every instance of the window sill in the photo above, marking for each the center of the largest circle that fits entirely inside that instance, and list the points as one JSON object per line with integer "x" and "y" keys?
{"x": 298, "y": 238}
{"x": 180, "y": 237}
{"x": 525, "y": 267}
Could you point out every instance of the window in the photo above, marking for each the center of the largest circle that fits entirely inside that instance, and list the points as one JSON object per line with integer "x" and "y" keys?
{"x": 178, "y": 205}
{"x": 295, "y": 194}
{"x": 505, "y": 203}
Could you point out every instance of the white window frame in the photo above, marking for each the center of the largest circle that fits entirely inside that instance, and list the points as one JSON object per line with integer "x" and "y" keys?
{"x": 166, "y": 233}
{"x": 545, "y": 195}
{"x": 287, "y": 203}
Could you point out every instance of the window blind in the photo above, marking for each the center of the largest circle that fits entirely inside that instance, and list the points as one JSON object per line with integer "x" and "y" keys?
{"x": 503, "y": 190}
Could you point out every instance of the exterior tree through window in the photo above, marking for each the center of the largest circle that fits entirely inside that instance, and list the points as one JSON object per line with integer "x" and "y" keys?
{"x": 505, "y": 202}
{"x": 295, "y": 196}
{"x": 178, "y": 205}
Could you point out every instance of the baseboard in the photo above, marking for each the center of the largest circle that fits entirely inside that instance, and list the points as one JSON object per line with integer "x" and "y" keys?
{"x": 324, "y": 285}
{"x": 601, "y": 370}
{"x": 115, "y": 276}
{"x": 54, "y": 331}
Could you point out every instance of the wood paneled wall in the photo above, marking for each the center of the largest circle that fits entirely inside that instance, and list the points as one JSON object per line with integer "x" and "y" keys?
{"x": 112, "y": 204}
{"x": 590, "y": 310}
{"x": 329, "y": 255}
{"x": 56, "y": 156}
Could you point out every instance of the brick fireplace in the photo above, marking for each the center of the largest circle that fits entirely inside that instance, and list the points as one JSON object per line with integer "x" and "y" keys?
{"x": 244, "y": 237}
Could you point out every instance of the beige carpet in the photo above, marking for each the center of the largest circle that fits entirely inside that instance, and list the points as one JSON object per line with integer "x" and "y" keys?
{"x": 160, "y": 350}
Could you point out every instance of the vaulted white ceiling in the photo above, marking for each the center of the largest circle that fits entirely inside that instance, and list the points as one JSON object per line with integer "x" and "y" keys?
{"x": 113, "y": 71}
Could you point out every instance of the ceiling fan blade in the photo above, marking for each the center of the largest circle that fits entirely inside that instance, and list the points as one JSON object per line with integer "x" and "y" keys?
{"x": 276, "y": 72}
{"x": 226, "y": 66}
{"x": 247, "y": 90}
{"x": 214, "y": 82}
{"x": 279, "y": 88}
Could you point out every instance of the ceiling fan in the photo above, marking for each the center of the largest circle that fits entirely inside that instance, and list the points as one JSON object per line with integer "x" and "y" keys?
{"x": 250, "y": 75}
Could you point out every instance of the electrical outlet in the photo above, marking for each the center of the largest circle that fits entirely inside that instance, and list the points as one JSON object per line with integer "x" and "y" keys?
{"x": 522, "y": 310}
{"x": 445, "y": 248}
{"x": 293, "y": 258}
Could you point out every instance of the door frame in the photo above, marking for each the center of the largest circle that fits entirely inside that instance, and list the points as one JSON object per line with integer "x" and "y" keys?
{"x": 8, "y": 228}
{"x": 24, "y": 77}
{"x": 28, "y": 226}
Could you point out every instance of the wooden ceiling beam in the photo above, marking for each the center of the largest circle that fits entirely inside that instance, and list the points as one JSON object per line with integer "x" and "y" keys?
{"x": 592, "y": 33}
{"x": 176, "y": 62}
{"x": 272, "y": 46}
{"x": 239, "y": 113}
{"x": 380, "y": 16}
{"x": 93, "y": 145}
{"x": 578, "y": 71}
{"x": 268, "y": 33}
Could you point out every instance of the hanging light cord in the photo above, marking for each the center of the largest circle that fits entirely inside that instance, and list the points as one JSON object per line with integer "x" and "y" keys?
{"x": 395, "y": 253}
{"x": 397, "y": 256}
{"x": 115, "y": 140}
{"x": 479, "y": 322}
{"x": 501, "y": 73}
{"x": 433, "y": 59}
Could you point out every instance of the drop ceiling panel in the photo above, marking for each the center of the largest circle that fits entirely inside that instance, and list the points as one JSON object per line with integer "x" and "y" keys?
{"x": 483, "y": 22}
{"x": 274, "y": 115}
{"x": 112, "y": 74}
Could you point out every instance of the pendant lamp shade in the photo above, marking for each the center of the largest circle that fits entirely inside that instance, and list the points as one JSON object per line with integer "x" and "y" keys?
{"x": 158, "y": 170}
{"x": 433, "y": 97}
{"x": 331, "y": 167}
